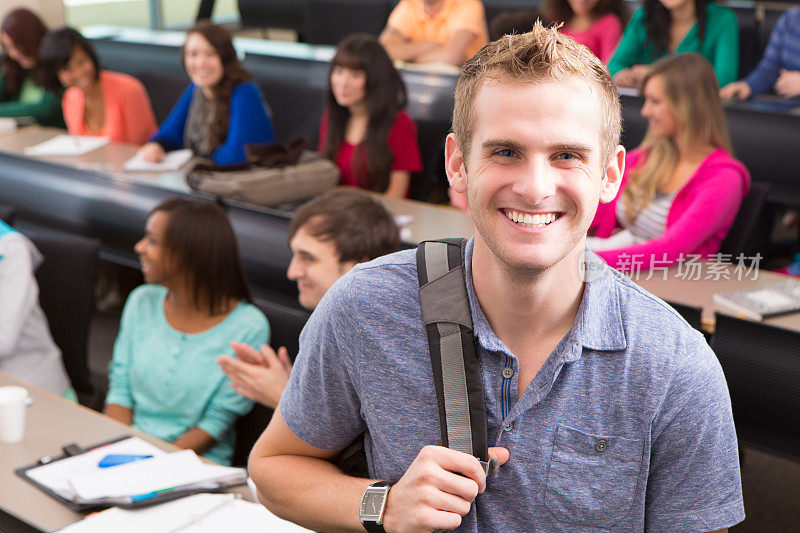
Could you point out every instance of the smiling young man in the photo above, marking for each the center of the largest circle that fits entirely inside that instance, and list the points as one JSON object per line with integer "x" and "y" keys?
{"x": 604, "y": 408}
{"x": 328, "y": 236}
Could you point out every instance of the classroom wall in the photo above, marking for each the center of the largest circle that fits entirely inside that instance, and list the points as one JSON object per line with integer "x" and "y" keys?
{"x": 51, "y": 11}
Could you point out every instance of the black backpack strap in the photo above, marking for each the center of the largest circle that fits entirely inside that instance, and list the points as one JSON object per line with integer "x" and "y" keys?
{"x": 451, "y": 342}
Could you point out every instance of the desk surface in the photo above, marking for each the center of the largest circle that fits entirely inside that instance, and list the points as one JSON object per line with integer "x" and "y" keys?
{"x": 686, "y": 290}
{"x": 107, "y": 159}
{"x": 427, "y": 221}
{"x": 51, "y": 423}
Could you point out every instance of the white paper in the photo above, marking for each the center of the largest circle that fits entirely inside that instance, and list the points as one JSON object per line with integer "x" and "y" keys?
{"x": 7, "y": 125}
{"x": 56, "y": 475}
{"x": 172, "y": 161}
{"x": 201, "y": 513}
{"x": 67, "y": 145}
{"x": 150, "y": 475}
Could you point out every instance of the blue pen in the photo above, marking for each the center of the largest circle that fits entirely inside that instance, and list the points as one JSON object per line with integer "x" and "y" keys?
{"x": 120, "y": 459}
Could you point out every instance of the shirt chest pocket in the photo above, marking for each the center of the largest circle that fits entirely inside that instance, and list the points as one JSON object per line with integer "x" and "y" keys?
{"x": 592, "y": 479}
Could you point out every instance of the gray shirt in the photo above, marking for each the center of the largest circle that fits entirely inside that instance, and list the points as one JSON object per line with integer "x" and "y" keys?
{"x": 627, "y": 426}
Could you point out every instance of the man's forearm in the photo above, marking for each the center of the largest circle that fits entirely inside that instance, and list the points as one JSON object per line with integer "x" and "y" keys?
{"x": 308, "y": 491}
{"x": 404, "y": 50}
{"x": 442, "y": 54}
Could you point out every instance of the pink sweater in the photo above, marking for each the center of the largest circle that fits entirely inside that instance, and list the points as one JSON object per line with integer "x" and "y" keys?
{"x": 698, "y": 220}
{"x": 601, "y": 38}
{"x": 129, "y": 116}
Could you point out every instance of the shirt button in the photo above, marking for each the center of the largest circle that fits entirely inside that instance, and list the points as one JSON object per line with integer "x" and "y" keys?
{"x": 509, "y": 426}
{"x": 508, "y": 372}
{"x": 601, "y": 445}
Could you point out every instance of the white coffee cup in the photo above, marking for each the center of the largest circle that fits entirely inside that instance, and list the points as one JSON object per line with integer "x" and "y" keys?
{"x": 13, "y": 401}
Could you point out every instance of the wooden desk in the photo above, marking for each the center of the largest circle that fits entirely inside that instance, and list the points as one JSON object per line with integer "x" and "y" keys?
{"x": 51, "y": 423}
{"x": 428, "y": 221}
{"x": 107, "y": 159}
{"x": 700, "y": 292}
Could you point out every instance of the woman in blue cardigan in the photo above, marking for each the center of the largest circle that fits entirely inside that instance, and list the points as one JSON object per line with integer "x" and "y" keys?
{"x": 220, "y": 111}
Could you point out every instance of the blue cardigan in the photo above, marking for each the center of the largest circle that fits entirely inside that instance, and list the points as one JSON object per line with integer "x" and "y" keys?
{"x": 783, "y": 51}
{"x": 249, "y": 123}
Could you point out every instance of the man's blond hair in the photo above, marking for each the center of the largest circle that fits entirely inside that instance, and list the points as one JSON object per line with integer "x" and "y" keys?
{"x": 541, "y": 55}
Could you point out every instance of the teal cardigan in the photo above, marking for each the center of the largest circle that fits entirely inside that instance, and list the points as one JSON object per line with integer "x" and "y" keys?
{"x": 720, "y": 44}
{"x": 171, "y": 379}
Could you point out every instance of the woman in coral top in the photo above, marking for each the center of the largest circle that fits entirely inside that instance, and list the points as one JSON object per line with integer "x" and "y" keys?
{"x": 682, "y": 188}
{"x": 365, "y": 130}
{"x": 96, "y": 102}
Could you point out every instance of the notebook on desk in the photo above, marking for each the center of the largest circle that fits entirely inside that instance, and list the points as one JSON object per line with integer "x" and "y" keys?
{"x": 66, "y": 145}
{"x": 89, "y": 480}
{"x": 771, "y": 300}
{"x": 201, "y": 513}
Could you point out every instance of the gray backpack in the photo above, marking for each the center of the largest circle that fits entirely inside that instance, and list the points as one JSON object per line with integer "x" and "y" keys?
{"x": 454, "y": 357}
{"x": 276, "y": 174}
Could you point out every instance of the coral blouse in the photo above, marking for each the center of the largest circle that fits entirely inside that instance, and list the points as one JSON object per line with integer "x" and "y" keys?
{"x": 129, "y": 115}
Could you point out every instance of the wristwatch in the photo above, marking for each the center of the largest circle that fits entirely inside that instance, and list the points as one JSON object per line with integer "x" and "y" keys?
{"x": 373, "y": 503}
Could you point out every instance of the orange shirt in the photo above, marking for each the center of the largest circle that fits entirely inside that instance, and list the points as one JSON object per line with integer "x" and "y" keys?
{"x": 129, "y": 115}
{"x": 409, "y": 18}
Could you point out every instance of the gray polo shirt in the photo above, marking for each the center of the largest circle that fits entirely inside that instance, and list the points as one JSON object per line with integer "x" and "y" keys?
{"x": 626, "y": 427}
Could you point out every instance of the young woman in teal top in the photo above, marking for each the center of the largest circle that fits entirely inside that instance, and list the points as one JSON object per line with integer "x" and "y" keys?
{"x": 163, "y": 377}
{"x": 662, "y": 27}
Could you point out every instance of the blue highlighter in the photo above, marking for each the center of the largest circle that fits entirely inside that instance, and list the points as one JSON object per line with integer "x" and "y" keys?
{"x": 120, "y": 459}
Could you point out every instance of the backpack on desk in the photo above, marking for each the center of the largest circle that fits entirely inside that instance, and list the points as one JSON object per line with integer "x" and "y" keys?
{"x": 454, "y": 357}
{"x": 276, "y": 173}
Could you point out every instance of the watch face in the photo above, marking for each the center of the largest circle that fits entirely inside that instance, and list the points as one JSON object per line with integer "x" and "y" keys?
{"x": 371, "y": 504}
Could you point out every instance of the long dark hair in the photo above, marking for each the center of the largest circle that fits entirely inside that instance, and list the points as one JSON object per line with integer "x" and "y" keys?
{"x": 200, "y": 244}
{"x": 233, "y": 73}
{"x": 56, "y": 51}
{"x": 26, "y": 30}
{"x": 657, "y": 22}
{"x": 560, "y": 10}
{"x": 385, "y": 94}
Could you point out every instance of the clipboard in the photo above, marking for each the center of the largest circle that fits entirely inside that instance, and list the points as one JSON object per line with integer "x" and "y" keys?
{"x": 70, "y": 450}
{"x": 127, "y": 502}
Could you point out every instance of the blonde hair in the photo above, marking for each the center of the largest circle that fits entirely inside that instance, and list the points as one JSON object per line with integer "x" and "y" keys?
{"x": 692, "y": 94}
{"x": 541, "y": 55}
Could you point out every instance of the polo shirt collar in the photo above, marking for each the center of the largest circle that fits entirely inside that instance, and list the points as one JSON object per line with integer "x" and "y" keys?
{"x": 598, "y": 324}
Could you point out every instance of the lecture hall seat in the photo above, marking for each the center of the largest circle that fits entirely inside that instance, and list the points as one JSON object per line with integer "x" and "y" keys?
{"x": 66, "y": 281}
{"x": 762, "y": 367}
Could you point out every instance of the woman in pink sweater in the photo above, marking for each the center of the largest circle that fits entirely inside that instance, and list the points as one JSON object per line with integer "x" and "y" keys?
{"x": 682, "y": 188}
{"x": 96, "y": 102}
{"x": 597, "y": 24}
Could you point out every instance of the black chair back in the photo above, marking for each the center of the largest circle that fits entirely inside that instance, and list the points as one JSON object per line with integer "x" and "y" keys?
{"x": 272, "y": 14}
{"x": 285, "y": 325}
{"x": 7, "y": 214}
{"x": 762, "y": 367}
{"x": 690, "y": 313}
{"x": 740, "y": 237}
{"x": 66, "y": 280}
{"x": 329, "y": 21}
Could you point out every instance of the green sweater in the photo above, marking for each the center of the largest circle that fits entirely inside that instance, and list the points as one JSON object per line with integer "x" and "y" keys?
{"x": 33, "y": 101}
{"x": 720, "y": 44}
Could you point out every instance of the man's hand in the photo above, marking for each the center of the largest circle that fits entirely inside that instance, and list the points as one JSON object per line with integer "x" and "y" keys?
{"x": 632, "y": 76}
{"x": 788, "y": 84}
{"x": 260, "y": 376}
{"x": 436, "y": 490}
{"x": 738, "y": 90}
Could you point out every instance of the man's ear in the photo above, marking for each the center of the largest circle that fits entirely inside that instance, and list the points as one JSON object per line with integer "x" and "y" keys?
{"x": 454, "y": 164}
{"x": 613, "y": 176}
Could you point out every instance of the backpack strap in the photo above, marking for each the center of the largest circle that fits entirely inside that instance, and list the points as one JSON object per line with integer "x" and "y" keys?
{"x": 453, "y": 351}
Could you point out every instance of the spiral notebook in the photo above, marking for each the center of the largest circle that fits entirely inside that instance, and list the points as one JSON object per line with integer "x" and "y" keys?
{"x": 771, "y": 300}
